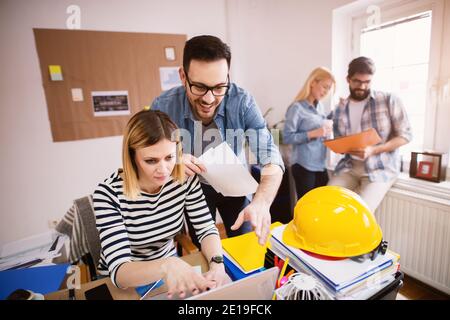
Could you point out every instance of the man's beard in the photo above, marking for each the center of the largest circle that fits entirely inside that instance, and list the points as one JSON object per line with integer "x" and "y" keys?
{"x": 196, "y": 104}
{"x": 359, "y": 94}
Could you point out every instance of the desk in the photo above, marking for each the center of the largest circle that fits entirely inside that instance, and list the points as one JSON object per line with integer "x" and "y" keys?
{"x": 193, "y": 259}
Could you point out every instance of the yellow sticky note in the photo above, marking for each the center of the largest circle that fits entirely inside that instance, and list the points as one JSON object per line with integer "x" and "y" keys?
{"x": 55, "y": 72}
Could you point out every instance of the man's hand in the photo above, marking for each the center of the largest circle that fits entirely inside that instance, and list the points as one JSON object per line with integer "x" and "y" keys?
{"x": 363, "y": 154}
{"x": 259, "y": 216}
{"x": 192, "y": 165}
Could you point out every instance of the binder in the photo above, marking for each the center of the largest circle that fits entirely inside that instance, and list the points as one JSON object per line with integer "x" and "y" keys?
{"x": 360, "y": 140}
{"x": 37, "y": 279}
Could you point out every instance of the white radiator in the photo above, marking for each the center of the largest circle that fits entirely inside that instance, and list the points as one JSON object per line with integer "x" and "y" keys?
{"x": 416, "y": 223}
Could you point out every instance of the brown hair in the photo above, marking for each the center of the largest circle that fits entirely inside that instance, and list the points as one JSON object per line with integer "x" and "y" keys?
{"x": 205, "y": 48}
{"x": 144, "y": 129}
{"x": 361, "y": 65}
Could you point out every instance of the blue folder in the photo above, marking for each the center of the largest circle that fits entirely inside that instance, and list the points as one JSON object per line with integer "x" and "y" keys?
{"x": 234, "y": 272}
{"x": 37, "y": 279}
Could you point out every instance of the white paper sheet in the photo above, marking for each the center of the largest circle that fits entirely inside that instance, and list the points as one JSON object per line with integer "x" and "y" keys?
{"x": 38, "y": 247}
{"x": 226, "y": 173}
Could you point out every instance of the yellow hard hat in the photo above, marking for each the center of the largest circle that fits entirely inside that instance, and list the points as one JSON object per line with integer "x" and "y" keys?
{"x": 336, "y": 222}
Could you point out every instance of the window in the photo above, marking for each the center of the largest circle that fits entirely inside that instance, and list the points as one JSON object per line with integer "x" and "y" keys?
{"x": 408, "y": 41}
{"x": 401, "y": 51}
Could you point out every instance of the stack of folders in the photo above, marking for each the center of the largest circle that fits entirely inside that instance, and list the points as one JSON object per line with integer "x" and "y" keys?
{"x": 243, "y": 255}
{"x": 344, "y": 279}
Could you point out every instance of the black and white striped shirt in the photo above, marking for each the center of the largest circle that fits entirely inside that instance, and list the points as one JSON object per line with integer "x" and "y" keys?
{"x": 144, "y": 229}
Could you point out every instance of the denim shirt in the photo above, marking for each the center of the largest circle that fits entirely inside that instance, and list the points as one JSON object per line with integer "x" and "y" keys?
{"x": 301, "y": 117}
{"x": 238, "y": 119}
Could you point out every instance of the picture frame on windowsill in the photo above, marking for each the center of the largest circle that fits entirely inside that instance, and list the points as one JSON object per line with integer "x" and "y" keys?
{"x": 429, "y": 165}
{"x": 425, "y": 169}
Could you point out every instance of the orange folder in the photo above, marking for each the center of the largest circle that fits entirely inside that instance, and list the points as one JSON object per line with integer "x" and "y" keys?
{"x": 360, "y": 140}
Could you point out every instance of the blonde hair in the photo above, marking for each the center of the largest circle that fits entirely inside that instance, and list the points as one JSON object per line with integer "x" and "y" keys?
{"x": 318, "y": 74}
{"x": 144, "y": 129}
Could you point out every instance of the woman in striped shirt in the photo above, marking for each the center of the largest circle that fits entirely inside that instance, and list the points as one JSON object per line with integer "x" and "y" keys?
{"x": 139, "y": 209}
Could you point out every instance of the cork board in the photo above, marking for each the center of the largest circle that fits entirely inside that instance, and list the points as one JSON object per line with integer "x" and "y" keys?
{"x": 102, "y": 61}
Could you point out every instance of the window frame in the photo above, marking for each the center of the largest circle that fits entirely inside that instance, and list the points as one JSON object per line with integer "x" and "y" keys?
{"x": 402, "y": 9}
{"x": 347, "y": 24}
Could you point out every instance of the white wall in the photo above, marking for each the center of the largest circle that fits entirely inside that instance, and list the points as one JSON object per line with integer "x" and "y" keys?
{"x": 275, "y": 45}
{"x": 41, "y": 178}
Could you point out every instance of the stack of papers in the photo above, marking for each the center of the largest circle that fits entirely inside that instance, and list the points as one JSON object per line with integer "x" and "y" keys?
{"x": 36, "y": 250}
{"x": 346, "y": 278}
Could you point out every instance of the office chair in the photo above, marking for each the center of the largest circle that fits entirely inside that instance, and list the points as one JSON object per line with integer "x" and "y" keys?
{"x": 79, "y": 224}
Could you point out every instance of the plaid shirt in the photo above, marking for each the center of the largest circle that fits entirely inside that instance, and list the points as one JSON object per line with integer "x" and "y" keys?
{"x": 385, "y": 113}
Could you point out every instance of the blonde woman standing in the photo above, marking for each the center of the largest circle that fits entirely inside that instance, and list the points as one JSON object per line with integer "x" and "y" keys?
{"x": 140, "y": 208}
{"x": 305, "y": 128}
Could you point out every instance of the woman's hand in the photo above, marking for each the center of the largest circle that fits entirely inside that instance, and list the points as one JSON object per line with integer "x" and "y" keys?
{"x": 181, "y": 278}
{"x": 217, "y": 274}
{"x": 325, "y": 130}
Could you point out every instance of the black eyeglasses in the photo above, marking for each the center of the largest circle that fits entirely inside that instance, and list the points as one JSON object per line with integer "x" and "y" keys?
{"x": 200, "y": 89}
{"x": 358, "y": 82}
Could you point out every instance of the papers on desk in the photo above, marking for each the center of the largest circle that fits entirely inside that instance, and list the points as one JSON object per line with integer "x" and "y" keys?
{"x": 354, "y": 141}
{"x": 39, "y": 249}
{"x": 226, "y": 173}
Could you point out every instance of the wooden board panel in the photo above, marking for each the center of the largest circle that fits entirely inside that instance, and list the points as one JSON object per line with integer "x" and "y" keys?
{"x": 100, "y": 61}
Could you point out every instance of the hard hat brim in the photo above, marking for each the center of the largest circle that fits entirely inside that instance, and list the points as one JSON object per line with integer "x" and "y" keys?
{"x": 289, "y": 236}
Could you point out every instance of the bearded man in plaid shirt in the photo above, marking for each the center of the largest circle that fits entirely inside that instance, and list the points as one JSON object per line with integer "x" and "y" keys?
{"x": 370, "y": 171}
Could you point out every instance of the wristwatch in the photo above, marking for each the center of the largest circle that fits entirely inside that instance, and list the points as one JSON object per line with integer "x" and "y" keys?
{"x": 217, "y": 259}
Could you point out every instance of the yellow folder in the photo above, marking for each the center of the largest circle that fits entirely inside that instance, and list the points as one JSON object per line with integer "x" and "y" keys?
{"x": 246, "y": 250}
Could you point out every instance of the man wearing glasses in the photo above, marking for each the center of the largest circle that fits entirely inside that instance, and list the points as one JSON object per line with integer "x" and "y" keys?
{"x": 373, "y": 170}
{"x": 214, "y": 110}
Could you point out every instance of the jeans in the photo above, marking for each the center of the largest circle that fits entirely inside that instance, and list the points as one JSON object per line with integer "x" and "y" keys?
{"x": 229, "y": 209}
{"x": 306, "y": 180}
